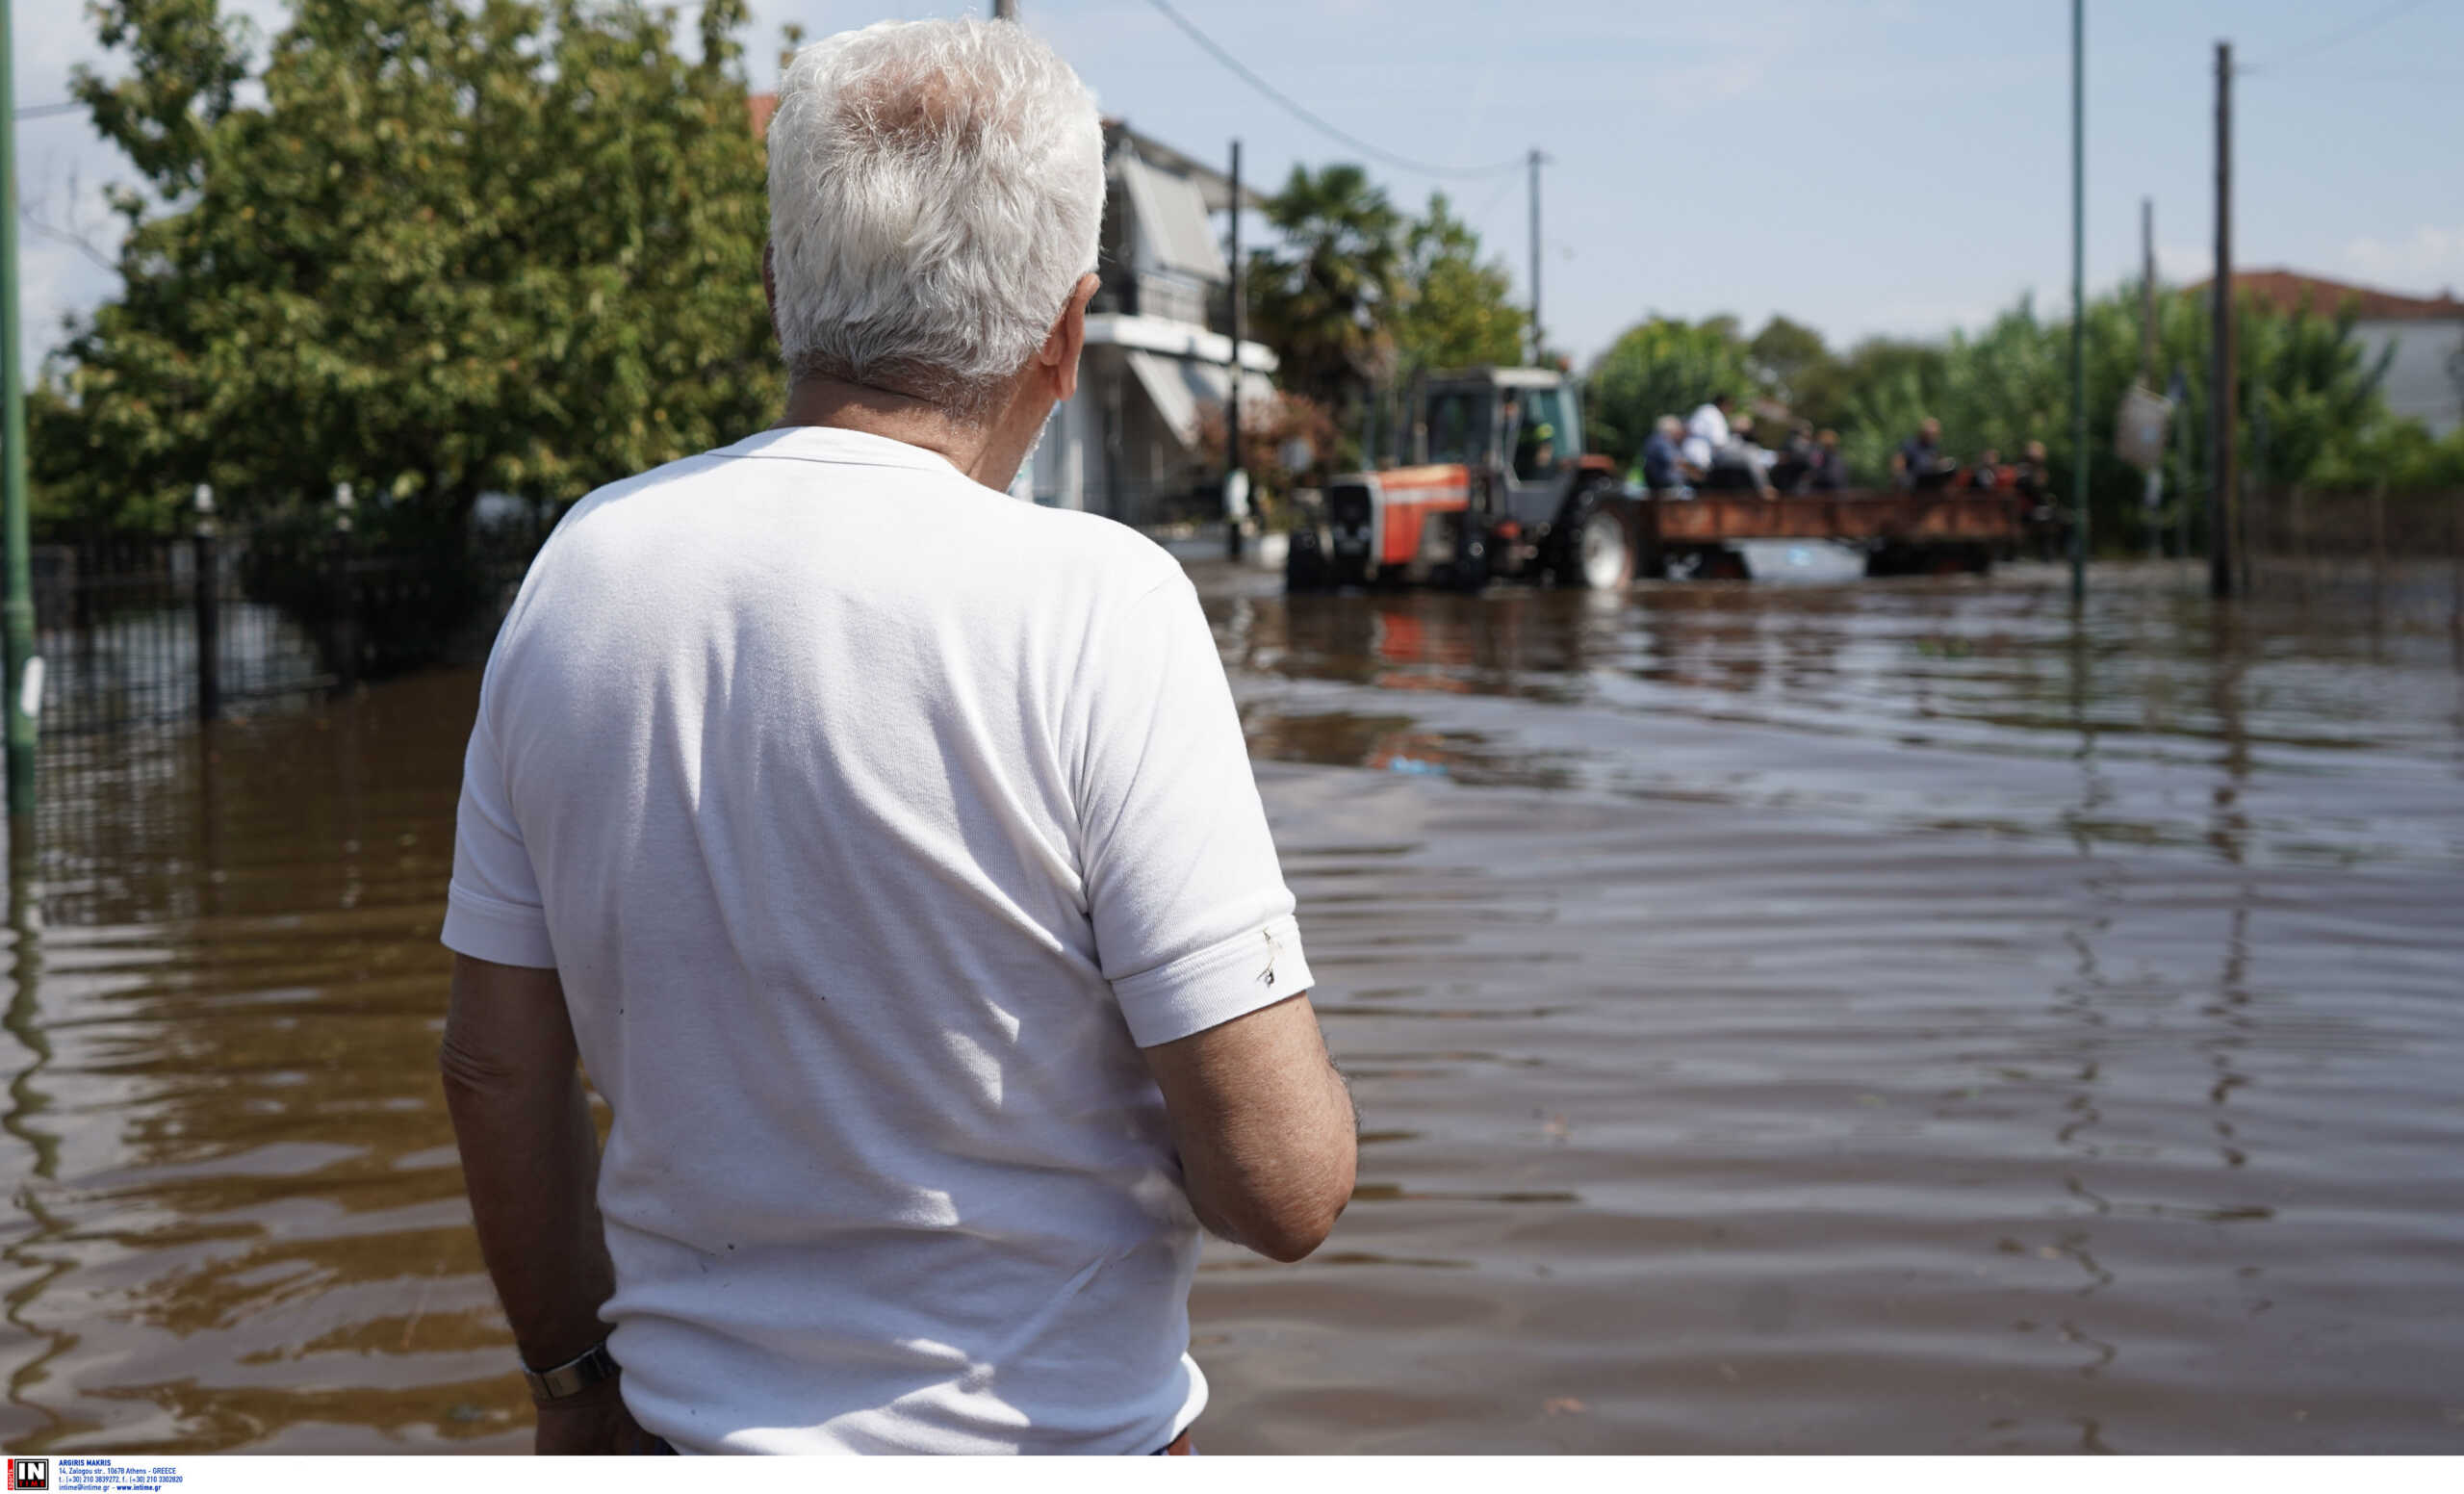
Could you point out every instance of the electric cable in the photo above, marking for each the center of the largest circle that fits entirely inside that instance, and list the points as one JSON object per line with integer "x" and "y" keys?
{"x": 1318, "y": 121}
{"x": 2339, "y": 37}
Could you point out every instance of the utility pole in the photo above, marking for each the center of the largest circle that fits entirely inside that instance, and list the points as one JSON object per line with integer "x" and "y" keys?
{"x": 2222, "y": 469}
{"x": 1005, "y": 10}
{"x": 18, "y": 611}
{"x": 1538, "y": 344}
{"x": 2147, "y": 292}
{"x": 1232, "y": 536}
{"x": 2152, "y": 501}
{"x": 2078, "y": 300}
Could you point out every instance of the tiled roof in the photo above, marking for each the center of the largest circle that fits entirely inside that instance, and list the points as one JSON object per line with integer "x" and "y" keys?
{"x": 2290, "y": 291}
{"x": 762, "y": 107}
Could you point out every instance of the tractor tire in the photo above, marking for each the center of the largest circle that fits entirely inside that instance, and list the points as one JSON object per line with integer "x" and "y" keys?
{"x": 1596, "y": 553}
{"x": 1304, "y": 564}
{"x": 1469, "y": 570}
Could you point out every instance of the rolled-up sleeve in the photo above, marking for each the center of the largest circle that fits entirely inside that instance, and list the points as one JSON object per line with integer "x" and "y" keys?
{"x": 1194, "y": 924}
{"x": 493, "y": 910}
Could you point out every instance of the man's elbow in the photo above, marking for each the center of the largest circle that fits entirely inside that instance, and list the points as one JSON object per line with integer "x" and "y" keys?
{"x": 1290, "y": 1226}
{"x": 1295, "y": 1236}
{"x": 469, "y": 1075}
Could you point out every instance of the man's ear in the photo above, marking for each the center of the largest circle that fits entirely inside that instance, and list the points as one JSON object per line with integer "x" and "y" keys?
{"x": 1067, "y": 339}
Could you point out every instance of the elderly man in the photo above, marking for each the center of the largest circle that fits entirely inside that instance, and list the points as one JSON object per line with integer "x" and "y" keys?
{"x": 888, "y": 851}
{"x": 1665, "y": 469}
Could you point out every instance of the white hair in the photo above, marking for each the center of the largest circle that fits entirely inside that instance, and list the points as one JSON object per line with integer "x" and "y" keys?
{"x": 935, "y": 192}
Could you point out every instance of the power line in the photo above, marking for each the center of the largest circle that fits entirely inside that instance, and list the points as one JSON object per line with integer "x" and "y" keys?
{"x": 1318, "y": 121}
{"x": 2342, "y": 34}
{"x": 47, "y": 111}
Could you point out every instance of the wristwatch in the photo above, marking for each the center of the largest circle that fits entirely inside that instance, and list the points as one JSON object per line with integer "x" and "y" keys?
{"x": 572, "y": 1376}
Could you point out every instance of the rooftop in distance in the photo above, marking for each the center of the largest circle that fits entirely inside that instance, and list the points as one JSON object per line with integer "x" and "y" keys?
{"x": 2290, "y": 291}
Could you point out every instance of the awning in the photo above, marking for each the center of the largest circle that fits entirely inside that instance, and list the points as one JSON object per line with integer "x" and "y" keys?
{"x": 1173, "y": 233}
{"x": 1175, "y": 398}
{"x": 1182, "y": 387}
{"x": 1215, "y": 380}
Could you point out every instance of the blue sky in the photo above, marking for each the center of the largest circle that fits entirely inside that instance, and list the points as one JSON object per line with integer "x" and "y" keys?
{"x": 1899, "y": 167}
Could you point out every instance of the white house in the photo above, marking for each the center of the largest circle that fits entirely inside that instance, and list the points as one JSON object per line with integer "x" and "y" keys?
{"x": 1128, "y": 445}
{"x": 2422, "y": 335}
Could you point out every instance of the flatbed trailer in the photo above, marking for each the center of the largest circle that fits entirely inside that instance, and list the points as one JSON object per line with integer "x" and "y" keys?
{"x": 1902, "y": 534}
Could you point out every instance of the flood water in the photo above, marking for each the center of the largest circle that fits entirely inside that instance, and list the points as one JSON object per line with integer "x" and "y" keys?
{"x": 1891, "y": 1016}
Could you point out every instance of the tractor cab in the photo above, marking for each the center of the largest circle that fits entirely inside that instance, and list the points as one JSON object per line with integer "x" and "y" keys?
{"x": 1524, "y": 426}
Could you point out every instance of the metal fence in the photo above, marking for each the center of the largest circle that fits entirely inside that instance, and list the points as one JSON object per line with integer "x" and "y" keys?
{"x": 142, "y": 629}
{"x": 2401, "y": 552}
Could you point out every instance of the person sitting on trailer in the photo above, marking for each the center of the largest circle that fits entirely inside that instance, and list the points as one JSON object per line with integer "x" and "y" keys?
{"x": 1696, "y": 451}
{"x": 1665, "y": 470}
{"x": 1987, "y": 474}
{"x": 1793, "y": 470}
{"x": 1706, "y": 431}
{"x": 2033, "y": 481}
{"x": 1919, "y": 465}
{"x": 1742, "y": 466}
{"x": 1830, "y": 473}
{"x": 2030, "y": 479}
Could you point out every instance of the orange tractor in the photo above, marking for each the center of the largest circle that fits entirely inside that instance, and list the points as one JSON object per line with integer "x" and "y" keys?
{"x": 1500, "y": 485}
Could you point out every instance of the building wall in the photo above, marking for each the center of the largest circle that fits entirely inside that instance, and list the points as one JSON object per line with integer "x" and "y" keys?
{"x": 2425, "y": 377}
{"x": 1107, "y": 450}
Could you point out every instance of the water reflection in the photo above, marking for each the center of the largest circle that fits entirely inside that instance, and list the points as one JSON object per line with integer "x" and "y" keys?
{"x": 1941, "y": 707}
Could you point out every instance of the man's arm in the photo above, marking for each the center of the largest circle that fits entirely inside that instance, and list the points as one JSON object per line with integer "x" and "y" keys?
{"x": 531, "y": 1162}
{"x": 1265, "y": 1126}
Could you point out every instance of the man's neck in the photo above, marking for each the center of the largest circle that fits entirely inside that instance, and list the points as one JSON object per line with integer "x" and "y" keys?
{"x": 883, "y": 412}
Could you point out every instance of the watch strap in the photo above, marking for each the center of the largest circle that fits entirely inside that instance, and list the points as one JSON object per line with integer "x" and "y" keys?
{"x": 572, "y": 1376}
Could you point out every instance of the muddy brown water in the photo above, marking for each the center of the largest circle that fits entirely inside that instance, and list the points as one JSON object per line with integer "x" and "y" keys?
{"x": 1875, "y": 1017}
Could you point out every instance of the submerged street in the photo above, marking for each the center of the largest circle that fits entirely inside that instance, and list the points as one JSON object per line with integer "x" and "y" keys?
{"x": 1876, "y": 1016}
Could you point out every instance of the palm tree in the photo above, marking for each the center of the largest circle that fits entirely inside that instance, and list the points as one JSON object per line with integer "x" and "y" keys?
{"x": 1320, "y": 299}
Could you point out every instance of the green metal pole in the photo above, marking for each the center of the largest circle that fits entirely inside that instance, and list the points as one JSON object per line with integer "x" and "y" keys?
{"x": 2078, "y": 300}
{"x": 18, "y": 611}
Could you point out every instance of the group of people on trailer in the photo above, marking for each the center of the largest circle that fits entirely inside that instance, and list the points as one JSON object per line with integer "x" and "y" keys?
{"x": 1713, "y": 451}
{"x": 1919, "y": 466}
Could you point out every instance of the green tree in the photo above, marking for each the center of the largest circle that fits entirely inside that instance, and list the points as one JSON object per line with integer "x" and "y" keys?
{"x": 1665, "y": 366}
{"x": 2311, "y": 409}
{"x": 1325, "y": 299}
{"x": 1791, "y": 360}
{"x": 1456, "y": 309}
{"x": 455, "y": 248}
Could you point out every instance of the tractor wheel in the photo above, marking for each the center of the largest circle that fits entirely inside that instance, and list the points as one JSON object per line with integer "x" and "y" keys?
{"x": 1304, "y": 564}
{"x": 1469, "y": 570}
{"x": 1596, "y": 555}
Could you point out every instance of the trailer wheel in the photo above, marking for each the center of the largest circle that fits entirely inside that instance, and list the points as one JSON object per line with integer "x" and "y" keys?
{"x": 1597, "y": 555}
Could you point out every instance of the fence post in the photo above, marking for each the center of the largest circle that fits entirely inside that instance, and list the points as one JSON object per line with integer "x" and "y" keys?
{"x": 2378, "y": 534}
{"x": 209, "y": 610}
{"x": 344, "y": 642}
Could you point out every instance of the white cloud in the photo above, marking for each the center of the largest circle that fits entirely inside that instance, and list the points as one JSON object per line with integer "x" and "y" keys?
{"x": 2429, "y": 259}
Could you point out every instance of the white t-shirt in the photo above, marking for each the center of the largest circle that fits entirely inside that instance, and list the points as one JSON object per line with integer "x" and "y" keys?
{"x": 1708, "y": 422}
{"x": 873, "y": 821}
